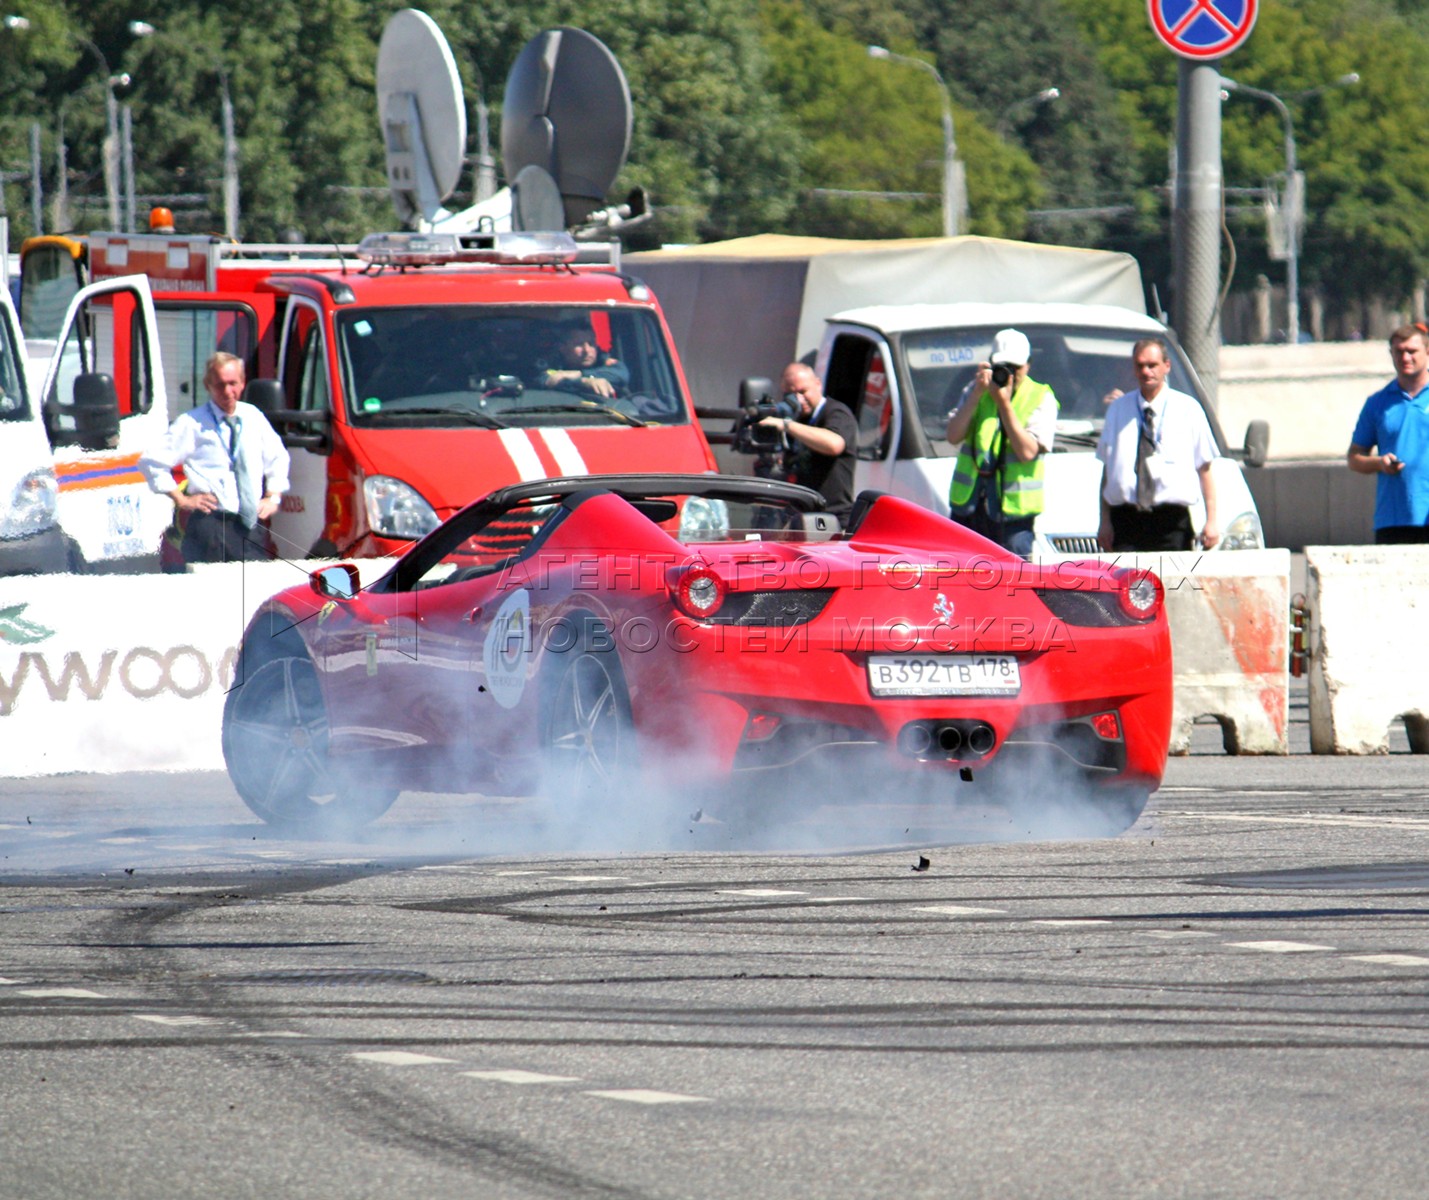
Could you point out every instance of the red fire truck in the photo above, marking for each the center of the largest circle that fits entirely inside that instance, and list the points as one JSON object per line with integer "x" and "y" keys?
{"x": 416, "y": 372}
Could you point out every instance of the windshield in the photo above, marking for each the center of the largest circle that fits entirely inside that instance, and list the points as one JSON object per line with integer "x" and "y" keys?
{"x": 496, "y": 366}
{"x": 13, "y": 406}
{"x": 1081, "y": 365}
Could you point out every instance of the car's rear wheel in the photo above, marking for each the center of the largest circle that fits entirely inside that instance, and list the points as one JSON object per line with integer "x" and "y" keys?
{"x": 275, "y": 742}
{"x": 588, "y": 734}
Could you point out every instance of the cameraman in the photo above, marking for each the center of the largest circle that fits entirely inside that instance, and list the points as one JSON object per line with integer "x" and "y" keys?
{"x": 1003, "y": 425}
{"x": 823, "y": 438}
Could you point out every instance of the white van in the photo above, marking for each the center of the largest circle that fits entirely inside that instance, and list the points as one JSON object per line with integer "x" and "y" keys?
{"x": 902, "y": 367}
{"x": 72, "y": 427}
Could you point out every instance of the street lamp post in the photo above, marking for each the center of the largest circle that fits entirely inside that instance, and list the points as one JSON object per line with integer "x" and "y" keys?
{"x": 231, "y": 196}
{"x": 1294, "y": 200}
{"x": 955, "y": 199}
{"x": 111, "y": 127}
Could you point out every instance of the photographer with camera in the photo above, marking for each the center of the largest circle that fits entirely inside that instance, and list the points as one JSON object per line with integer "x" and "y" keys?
{"x": 1003, "y": 425}
{"x": 821, "y": 433}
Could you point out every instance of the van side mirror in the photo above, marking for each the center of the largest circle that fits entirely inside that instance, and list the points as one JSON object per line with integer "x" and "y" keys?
{"x": 1257, "y": 443}
{"x": 265, "y": 395}
{"x": 755, "y": 390}
{"x": 304, "y": 429}
{"x": 91, "y": 420}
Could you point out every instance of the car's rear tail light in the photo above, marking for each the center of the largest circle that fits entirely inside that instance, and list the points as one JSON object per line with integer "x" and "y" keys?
{"x": 1106, "y": 726}
{"x": 697, "y": 591}
{"x": 1141, "y": 594}
{"x": 761, "y": 727}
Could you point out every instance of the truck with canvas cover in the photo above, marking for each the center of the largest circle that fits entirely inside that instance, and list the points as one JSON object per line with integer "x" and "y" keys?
{"x": 896, "y": 329}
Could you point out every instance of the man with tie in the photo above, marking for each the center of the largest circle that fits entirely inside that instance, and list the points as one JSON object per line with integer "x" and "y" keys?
{"x": 235, "y": 465}
{"x": 1156, "y": 450}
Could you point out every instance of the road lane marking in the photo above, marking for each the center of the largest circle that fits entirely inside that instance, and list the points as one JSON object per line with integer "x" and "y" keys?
{"x": 958, "y": 910}
{"x": 1071, "y": 921}
{"x": 646, "y": 1096}
{"x": 61, "y": 993}
{"x": 160, "y": 1019}
{"x": 1354, "y": 820}
{"x": 399, "y": 1058}
{"x": 1281, "y": 947}
{"x": 1392, "y": 960}
{"x": 837, "y": 899}
{"x": 590, "y": 878}
{"x": 1175, "y": 933}
{"x": 758, "y": 892}
{"x": 521, "y": 1078}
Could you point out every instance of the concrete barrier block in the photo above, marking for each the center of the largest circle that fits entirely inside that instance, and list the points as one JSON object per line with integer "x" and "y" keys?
{"x": 1230, "y": 641}
{"x": 1368, "y": 660}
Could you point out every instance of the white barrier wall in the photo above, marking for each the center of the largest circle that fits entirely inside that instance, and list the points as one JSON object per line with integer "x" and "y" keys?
{"x": 126, "y": 672}
{"x": 1230, "y": 630}
{"x": 1369, "y": 655}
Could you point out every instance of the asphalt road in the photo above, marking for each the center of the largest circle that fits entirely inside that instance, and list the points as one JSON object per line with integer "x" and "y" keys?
{"x": 1227, "y": 1000}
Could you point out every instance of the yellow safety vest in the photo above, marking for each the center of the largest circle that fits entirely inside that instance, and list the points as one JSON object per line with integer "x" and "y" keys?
{"x": 1020, "y": 484}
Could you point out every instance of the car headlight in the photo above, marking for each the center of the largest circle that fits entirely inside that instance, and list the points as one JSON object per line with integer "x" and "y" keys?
{"x": 704, "y": 519}
{"x": 1244, "y": 533}
{"x": 32, "y": 505}
{"x": 396, "y": 509}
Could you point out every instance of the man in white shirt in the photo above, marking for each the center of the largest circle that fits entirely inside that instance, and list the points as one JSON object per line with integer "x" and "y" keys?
{"x": 1156, "y": 450}
{"x": 235, "y": 465}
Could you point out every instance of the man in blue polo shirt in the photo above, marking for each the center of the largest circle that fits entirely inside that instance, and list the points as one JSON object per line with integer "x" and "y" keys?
{"x": 1391, "y": 440}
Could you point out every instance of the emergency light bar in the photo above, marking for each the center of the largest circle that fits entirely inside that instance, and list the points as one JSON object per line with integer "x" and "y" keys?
{"x": 431, "y": 249}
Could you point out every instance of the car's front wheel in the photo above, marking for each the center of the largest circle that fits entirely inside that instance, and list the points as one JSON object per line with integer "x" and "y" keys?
{"x": 275, "y": 742}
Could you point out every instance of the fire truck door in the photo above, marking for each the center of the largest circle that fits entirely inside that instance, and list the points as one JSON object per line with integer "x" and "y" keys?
{"x": 298, "y": 525}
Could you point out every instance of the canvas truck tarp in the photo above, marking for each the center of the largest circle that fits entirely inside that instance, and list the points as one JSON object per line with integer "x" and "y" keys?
{"x": 751, "y": 305}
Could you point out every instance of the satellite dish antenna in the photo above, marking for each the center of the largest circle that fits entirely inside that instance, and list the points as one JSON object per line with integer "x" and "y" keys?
{"x": 567, "y": 111}
{"x": 423, "y": 116}
{"x": 536, "y": 201}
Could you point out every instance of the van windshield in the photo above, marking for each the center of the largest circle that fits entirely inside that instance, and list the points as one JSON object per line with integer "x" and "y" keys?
{"x": 1080, "y": 364}
{"x": 516, "y": 365}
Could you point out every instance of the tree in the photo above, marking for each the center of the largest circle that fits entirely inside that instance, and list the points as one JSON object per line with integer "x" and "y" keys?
{"x": 870, "y": 126}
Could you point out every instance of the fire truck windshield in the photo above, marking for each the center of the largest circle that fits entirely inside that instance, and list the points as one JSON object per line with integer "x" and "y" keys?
{"x": 516, "y": 365}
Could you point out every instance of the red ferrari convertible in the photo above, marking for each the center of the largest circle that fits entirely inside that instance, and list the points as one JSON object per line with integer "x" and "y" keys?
{"x": 593, "y": 635}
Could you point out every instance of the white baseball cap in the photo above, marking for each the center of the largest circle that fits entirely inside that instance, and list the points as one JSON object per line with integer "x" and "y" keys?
{"x": 1010, "y": 347}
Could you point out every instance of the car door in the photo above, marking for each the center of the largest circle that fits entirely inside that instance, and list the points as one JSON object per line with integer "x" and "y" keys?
{"x": 105, "y": 505}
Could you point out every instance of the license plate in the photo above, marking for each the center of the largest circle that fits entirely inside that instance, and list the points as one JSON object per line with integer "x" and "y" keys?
{"x": 944, "y": 675}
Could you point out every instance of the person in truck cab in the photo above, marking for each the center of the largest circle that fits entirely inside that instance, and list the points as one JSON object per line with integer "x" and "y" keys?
{"x": 581, "y": 366}
{"x": 235, "y": 465}
{"x": 1003, "y": 425}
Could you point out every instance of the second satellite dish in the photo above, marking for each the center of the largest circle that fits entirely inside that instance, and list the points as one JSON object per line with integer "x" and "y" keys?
{"x": 567, "y": 111}
{"x": 423, "y": 115}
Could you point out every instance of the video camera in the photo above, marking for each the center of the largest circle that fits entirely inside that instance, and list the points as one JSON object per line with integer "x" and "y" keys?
{"x": 757, "y": 401}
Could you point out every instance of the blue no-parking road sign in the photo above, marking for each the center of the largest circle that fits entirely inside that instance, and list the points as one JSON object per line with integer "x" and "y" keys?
{"x": 1202, "y": 28}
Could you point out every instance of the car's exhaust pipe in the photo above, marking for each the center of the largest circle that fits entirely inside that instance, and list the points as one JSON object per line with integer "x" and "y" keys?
{"x": 981, "y": 738}
{"x": 954, "y": 740}
{"x": 915, "y": 740}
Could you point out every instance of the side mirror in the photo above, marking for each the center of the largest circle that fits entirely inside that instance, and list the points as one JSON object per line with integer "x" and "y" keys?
{"x": 341, "y": 582}
{"x": 264, "y": 394}
{"x": 91, "y": 420}
{"x": 1257, "y": 443}
{"x": 755, "y": 390}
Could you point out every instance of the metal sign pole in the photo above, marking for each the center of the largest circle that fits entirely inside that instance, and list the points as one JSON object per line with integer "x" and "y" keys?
{"x": 1196, "y": 231}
